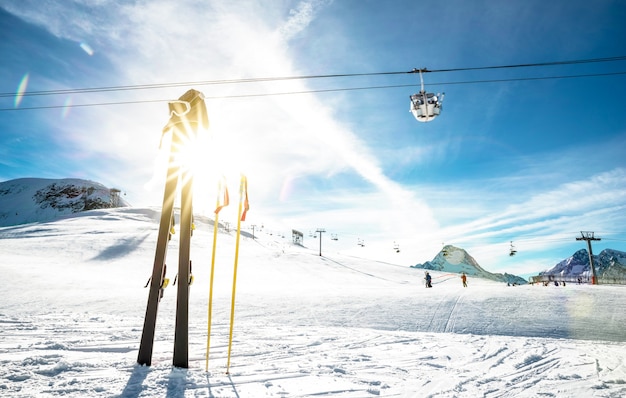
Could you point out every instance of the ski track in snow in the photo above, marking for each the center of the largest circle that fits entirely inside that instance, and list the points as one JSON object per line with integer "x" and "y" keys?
{"x": 94, "y": 357}
{"x": 305, "y": 326}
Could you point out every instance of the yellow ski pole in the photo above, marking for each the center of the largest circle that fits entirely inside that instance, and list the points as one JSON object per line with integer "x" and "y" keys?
{"x": 243, "y": 191}
{"x": 218, "y": 206}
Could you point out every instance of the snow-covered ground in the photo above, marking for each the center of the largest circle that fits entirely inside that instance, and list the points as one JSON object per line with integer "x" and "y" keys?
{"x": 72, "y": 305}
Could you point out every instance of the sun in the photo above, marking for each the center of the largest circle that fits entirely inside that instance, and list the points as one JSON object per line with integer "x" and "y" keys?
{"x": 204, "y": 154}
{"x": 210, "y": 160}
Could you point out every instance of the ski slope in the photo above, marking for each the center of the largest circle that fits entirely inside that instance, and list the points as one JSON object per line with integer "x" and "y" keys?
{"x": 73, "y": 303}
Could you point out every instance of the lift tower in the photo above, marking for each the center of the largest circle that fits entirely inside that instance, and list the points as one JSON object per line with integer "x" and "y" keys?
{"x": 588, "y": 236}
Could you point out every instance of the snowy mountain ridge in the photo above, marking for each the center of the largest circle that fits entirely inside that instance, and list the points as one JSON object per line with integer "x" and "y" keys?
{"x": 456, "y": 260}
{"x": 27, "y": 200}
{"x": 609, "y": 264}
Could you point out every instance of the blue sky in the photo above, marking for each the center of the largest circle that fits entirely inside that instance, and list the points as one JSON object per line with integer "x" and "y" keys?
{"x": 529, "y": 161}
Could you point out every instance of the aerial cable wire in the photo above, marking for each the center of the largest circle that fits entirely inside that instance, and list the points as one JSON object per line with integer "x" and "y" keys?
{"x": 284, "y": 78}
{"x": 233, "y": 81}
{"x": 554, "y": 63}
{"x": 315, "y": 91}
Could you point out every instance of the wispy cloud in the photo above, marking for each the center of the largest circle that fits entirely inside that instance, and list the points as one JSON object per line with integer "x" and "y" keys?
{"x": 277, "y": 140}
{"x": 301, "y": 16}
{"x": 591, "y": 203}
{"x": 307, "y": 165}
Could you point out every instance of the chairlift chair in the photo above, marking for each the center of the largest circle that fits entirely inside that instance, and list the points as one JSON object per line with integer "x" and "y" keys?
{"x": 425, "y": 106}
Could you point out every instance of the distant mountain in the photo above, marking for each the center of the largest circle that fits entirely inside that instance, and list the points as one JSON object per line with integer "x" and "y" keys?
{"x": 456, "y": 260}
{"x": 609, "y": 264}
{"x": 27, "y": 200}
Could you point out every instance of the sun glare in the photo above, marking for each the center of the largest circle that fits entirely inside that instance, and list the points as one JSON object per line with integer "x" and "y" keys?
{"x": 219, "y": 163}
{"x": 208, "y": 163}
{"x": 207, "y": 154}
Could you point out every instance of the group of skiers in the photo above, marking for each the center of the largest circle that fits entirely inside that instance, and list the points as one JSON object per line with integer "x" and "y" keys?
{"x": 429, "y": 279}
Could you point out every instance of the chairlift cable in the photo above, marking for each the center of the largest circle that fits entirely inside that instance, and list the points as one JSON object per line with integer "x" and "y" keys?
{"x": 554, "y": 63}
{"x": 304, "y": 77}
{"x": 67, "y": 106}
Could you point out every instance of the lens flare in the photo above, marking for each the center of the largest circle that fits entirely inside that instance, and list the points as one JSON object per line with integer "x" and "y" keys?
{"x": 87, "y": 48}
{"x": 21, "y": 89}
{"x": 286, "y": 188}
{"x": 67, "y": 105}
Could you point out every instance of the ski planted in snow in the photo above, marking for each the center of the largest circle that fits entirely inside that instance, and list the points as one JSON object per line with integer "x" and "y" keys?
{"x": 187, "y": 115}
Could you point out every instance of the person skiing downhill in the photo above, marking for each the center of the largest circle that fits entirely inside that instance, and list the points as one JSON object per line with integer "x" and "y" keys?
{"x": 428, "y": 280}
{"x": 464, "y": 279}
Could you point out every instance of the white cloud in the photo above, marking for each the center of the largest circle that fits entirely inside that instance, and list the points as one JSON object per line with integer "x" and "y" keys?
{"x": 283, "y": 142}
{"x": 301, "y": 17}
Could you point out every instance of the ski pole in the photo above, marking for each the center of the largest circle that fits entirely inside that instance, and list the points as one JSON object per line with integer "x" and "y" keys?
{"x": 243, "y": 190}
{"x": 218, "y": 207}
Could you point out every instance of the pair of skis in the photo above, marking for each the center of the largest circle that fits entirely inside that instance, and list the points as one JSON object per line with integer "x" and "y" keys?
{"x": 187, "y": 116}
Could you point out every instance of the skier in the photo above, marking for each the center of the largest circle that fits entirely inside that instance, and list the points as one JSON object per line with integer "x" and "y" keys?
{"x": 464, "y": 279}
{"x": 428, "y": 280}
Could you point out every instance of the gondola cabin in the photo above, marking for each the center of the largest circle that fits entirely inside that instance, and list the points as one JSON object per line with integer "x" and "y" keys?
{"x": 426, "y": 106}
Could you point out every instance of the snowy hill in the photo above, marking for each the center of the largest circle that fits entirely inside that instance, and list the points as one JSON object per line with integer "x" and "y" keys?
{"x": 73, "y": 304}
{"x": 27, "y": 200}
{"x": 609, "y": 264}
{"x": 455, "y": 260}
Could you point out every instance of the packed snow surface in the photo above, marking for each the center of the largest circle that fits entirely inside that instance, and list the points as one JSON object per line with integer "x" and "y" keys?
{"x": 73, "y": 302}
